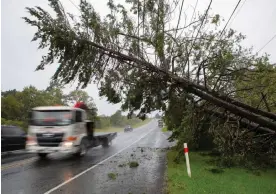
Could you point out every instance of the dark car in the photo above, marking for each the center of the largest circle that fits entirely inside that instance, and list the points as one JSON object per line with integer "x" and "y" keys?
{"x": 128, "y": 129}
{"x": 160, "y": 123}
{"x": 12, "y": 138}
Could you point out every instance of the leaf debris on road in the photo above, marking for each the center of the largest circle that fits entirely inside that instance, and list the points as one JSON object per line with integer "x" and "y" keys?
{"x": 133, "y": 164}
{"x": 112, "y": 175}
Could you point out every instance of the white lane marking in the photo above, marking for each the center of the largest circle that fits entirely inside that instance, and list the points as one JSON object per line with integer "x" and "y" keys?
{"x": 94, "y": 166}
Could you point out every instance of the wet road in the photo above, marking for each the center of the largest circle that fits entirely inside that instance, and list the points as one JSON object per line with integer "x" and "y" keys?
{"x": 66, "y": 174}
{"x": 14, "y": 157}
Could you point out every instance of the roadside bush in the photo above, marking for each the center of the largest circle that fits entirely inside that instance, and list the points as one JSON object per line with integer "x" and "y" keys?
{"x": 235, "y": 145}
{"x": 21, "y": 124}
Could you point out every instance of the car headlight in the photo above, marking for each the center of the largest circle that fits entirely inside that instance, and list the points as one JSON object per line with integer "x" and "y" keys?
{"x": 31, "y": 140}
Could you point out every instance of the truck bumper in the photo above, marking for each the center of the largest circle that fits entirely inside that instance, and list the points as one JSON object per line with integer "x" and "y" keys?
{"x": 60, "y": 149}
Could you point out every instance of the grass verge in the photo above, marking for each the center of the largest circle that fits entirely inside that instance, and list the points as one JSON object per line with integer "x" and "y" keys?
{"x": 146, "y": 121}
{"x": 211, "y": 179}
{"x": 164, "y": 129}
{"x": 118, "y": 129}
{"x": 110, "y": 129}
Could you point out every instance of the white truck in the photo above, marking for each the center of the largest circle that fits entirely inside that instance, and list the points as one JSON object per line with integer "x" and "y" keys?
{"x": 63, "y": 129}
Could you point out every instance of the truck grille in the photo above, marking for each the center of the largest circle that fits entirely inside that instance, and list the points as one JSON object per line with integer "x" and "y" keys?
{"x": 49, "y": 139}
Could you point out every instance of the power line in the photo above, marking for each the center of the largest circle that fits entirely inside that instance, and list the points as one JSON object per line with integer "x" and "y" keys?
{"x": 179, "y": 16}
{"x": 223, "y": 30}
{"x": 194, "y": 11}
{"x": 74, "y": 5}
{"x": 203, "y": 20}
{"x": 230, "y": 17}
{"x": 237, "y": 12}
{"x": 267, "y": 43}
{"x": 206, "y": 13}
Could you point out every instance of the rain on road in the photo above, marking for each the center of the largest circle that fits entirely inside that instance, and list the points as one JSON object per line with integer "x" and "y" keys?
{"x": 65, "y": 174}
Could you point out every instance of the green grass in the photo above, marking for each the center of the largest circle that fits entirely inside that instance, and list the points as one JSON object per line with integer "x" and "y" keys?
{"x": 164, "y": 129}
{"x": 118, "y": 129}
{"x": 210, "y": 179}
{"x": 110, "y": 129}
{"x": 146, "y": 121}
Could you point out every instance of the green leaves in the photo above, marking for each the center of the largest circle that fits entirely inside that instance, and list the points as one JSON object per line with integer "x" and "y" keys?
{"x": 16, "y": 105}
{"x": 215, "y": 19}
{"x": 90, "y": 48}
{"x": 10, "y": 107}
{"x": 260, "y": 82}
{"x": 116, "y": 120}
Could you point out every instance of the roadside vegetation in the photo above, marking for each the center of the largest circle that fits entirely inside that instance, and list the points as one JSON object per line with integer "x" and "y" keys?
{"x": 164, "y": 129}
{"x": 15, "y": 106}
{"x": 110, "y": 129}
{"x": 136, "y": 124}
{"x": 210, "y": 178}
{"x": 139, "y": 124}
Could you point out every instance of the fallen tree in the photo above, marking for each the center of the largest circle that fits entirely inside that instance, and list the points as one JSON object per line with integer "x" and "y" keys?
{"x": 142, "y": 62}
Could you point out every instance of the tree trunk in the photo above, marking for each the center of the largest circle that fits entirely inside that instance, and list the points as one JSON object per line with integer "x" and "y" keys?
{"x": 238, "y": 108}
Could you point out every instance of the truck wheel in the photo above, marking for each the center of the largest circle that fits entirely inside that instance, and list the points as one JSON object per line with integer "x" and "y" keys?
{"x": 83, "y": 149}
{"x": 42, "y": 155}
{"x": 106, "y": 143}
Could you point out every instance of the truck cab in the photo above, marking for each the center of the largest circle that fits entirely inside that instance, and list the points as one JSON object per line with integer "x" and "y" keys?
{"x": 62, "y": 129}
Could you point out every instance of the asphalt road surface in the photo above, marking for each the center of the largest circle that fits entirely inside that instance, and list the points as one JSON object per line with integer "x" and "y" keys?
{"x": 102, "y": 170}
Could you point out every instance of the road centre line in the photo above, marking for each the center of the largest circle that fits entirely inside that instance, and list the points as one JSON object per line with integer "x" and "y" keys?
{"x": 94, "y": 166}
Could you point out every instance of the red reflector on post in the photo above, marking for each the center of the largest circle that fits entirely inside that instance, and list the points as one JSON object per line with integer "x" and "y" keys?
{"x": 186, "y": 150}
{"x": 187, "y": 159}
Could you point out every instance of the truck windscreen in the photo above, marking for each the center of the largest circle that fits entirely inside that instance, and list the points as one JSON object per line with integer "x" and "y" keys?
{"x": 52, "y": 118}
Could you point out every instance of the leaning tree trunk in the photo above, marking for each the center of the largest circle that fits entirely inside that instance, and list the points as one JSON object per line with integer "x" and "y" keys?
{"x": 262, "y": 118}
{"x": 243, "y": 123}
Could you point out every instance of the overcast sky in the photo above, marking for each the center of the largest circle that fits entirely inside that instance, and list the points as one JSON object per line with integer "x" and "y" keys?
{"x": 19, "y": 57}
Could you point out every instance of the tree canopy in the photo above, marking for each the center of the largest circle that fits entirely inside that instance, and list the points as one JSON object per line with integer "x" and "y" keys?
{"x": 82, "y": 96}
{"x": 16, "y": 105}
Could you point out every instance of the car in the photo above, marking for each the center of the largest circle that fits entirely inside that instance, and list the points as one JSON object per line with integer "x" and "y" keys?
{"x": 128, "y": 129}
{"x": 13, "y": 138}
{"x": 160, "y": 123}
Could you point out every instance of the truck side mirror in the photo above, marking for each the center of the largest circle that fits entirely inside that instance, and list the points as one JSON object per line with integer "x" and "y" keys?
{"x": 93, "y": 125}
{"x": 30, "y": 117}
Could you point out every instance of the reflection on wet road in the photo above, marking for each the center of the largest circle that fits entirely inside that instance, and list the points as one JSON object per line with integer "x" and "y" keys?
{"x": 67, "y": 174}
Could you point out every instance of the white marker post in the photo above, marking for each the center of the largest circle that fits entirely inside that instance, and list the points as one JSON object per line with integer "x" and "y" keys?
{"x": 187, "y": 159}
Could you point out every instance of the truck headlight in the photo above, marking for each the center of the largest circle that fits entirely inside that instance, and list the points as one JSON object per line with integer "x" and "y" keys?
{"x": 68, "y": 144}
{"x": 69, "y": 141}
